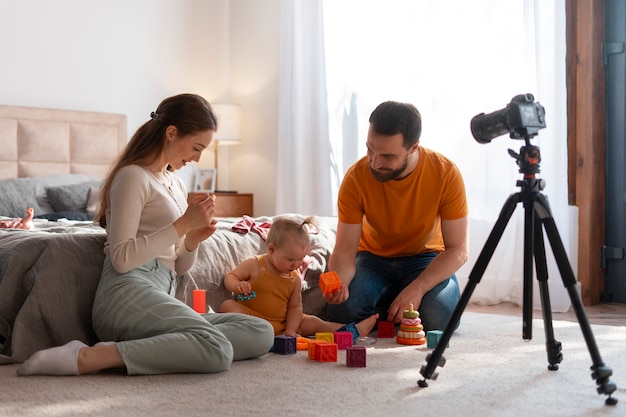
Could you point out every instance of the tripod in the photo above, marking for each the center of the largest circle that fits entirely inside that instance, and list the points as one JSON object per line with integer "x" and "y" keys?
{"x": 536, "y": 214}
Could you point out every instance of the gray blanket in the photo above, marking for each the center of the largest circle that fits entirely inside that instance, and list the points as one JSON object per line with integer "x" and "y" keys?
{"x": 49, "y": 275}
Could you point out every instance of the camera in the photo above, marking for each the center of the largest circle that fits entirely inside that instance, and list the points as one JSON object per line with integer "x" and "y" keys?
{"x": 522, "y": 118}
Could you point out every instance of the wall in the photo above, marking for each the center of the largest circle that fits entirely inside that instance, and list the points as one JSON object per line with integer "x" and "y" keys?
{"x": 126, "y": 56}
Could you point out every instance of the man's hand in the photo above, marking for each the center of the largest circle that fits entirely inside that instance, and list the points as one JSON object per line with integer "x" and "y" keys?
{"x": 403, "y": 301}
{"x": 339, "y": 296}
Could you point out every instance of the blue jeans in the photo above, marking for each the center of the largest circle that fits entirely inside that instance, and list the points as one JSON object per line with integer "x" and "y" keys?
{"x": 378, "y": 281}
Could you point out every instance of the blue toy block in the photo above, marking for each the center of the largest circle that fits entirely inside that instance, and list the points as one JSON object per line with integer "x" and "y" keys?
{"x": 433, "y": 337}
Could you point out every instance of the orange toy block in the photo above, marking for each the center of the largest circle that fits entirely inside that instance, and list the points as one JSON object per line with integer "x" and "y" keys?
{"x": 302, "y": 343}
{"x": 329, "y": 282}
{"x": 312, "y": 351}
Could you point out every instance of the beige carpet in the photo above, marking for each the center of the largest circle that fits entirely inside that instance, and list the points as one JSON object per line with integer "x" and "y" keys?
{"x": 490, "y": 371}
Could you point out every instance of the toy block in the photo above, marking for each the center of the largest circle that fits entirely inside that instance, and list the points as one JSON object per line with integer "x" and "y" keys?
{"x": 386, "y": 329}
{"x": 327, "y": 336}
{"x": 312, "y": 350}
{"x": 355, "y": 357}
{"x": 285, "y": 345}
{"x": 326, "y": 352}
{"x": 433, "y": 337}
{"x": 343, "y": 339}
{"x": 329, "y": 282}
{"x": 351, "y": 327}
{"x": 302, "y": 343}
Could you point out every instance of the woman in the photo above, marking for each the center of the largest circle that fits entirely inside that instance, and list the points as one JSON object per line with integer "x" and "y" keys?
{"x": 153, "y": 234}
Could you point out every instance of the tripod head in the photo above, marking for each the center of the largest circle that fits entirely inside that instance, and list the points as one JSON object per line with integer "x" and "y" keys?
{"x": 527, "y": 159}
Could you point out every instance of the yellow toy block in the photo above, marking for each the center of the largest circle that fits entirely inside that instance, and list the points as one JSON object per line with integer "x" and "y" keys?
{"x": 326, "y": 336}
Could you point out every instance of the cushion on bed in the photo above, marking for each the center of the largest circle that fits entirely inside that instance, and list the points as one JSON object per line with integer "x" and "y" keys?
{"x": 16, "y": 195}
{"x": 93, "y": 202}
{"x": 71, "y": 197}
{"x": 42, "y": 182}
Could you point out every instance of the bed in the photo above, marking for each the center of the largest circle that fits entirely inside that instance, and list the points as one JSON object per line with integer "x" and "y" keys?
{"x": 53, "y": 160}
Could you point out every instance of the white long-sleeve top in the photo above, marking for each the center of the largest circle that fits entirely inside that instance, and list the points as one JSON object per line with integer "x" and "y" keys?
{"x": 140, "y": 215}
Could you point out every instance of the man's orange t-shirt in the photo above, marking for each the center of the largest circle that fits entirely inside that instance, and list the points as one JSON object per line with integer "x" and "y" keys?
{"x": 403, "y": 217}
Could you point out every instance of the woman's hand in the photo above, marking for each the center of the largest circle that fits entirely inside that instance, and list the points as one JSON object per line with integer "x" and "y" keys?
{"x": 195, "y": 237}
{"x": 198, "y": 217}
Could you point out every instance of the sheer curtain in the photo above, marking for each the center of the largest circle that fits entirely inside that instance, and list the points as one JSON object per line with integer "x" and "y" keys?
{"x": 453, "y": 60}
{"x": 304, "y": 151}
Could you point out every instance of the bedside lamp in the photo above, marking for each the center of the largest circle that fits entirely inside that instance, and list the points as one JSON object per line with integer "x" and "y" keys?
{"x": 228, "y": 129}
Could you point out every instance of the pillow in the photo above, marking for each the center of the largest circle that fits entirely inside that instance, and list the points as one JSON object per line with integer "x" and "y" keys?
{"x": 71, "y": 197}
{"x": 16, "y": 195}
{"x": 93, "y": 202}
{"x": 41, "y": 182}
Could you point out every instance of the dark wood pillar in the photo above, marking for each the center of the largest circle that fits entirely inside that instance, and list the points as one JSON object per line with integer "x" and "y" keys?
{"x": 586, "y": 137}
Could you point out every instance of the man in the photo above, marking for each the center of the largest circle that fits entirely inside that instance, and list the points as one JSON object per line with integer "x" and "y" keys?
{"x": 403, "y": 228}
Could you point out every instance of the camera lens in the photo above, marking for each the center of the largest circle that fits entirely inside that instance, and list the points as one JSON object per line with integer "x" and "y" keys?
{"x": 486, "y": 127}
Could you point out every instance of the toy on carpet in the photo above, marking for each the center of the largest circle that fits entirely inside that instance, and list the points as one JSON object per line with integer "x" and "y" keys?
{"x": 355, "y": 357}
{"x": 386, "y": 329}
{"x": 433, "y": 337}
{"x": 411, "y": 331}
{"x": 284, "y": 345}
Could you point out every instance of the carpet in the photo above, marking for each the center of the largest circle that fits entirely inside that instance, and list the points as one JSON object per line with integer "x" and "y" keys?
{"x": 490, "y": 371}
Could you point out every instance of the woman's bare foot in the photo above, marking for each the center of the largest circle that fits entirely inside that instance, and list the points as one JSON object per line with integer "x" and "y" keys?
{"x": 365, "y": 326}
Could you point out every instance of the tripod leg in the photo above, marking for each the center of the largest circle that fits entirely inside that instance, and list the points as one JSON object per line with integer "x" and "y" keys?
{"x": 599, "y": 371}
{"x": 529, "y": 232}
{"x": 435, "y": 358}
{"x": 553, "y": 347}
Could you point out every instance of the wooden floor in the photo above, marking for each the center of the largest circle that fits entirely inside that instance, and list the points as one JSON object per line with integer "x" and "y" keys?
{"x": 607, "y": 314}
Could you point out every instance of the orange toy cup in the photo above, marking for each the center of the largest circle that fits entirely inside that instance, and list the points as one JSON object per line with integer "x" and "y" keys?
{"x": 199, "y": 301}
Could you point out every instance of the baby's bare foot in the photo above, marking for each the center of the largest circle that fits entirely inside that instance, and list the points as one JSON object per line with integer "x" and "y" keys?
{"x": 365, "y": 326}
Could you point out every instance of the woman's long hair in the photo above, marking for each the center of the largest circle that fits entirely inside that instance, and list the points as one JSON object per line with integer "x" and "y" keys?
{"x": 189, "y": 113}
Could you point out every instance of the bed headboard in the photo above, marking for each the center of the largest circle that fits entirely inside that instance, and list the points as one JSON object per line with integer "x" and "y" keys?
{"x": 40, "y": 141}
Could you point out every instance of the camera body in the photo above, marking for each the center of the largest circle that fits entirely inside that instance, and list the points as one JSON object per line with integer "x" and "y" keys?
{"x": 522, "y": 118}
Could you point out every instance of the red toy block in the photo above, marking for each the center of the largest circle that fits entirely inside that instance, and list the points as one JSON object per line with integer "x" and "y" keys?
{"x": 343, "y": 339}
{"x": 326, "y": 352}
{"x": 386, "y": 329}
{"x": 355, "y": 357}
{"x": 329, "y": 282}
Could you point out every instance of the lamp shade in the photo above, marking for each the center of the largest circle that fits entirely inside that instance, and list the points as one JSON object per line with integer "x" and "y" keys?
{"x": 228, "y": 123}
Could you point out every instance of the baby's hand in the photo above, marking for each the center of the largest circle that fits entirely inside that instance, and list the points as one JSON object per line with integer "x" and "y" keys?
{"x": 244, "y": 288}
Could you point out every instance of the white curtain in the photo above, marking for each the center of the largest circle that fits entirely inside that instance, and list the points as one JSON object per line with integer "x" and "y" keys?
{"x": 453, "y": 59}
{"x": 304, "y": 151}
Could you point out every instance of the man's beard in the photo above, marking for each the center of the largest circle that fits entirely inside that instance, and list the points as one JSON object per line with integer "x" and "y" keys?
{"x": 389, "y": 175}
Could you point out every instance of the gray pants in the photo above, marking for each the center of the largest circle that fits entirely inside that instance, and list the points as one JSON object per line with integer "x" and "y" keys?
{"x": 158, "y": 334}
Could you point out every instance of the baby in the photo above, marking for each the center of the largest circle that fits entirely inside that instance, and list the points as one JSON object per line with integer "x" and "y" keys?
{"x": 270, "y": 286}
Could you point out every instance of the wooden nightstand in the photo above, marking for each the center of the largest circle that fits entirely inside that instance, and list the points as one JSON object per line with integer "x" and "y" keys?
{"x": 234, "y": 204}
